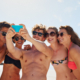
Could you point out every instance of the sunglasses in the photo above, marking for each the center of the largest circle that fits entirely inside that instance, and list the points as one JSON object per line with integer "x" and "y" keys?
{"x": 61, "y": 34}
{"x": 39, "y": 33}
{"x": 51, "y": 34}
{"x": 3, "y": 33}
{"x": 17, "y": 38}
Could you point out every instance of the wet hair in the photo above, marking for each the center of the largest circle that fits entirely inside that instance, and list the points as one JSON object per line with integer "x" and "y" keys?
{"x": 74, "y": 37}
{"x": 40, "y": 27}
{"x": 4, "y": 24}
{"x": 54, "y": 28}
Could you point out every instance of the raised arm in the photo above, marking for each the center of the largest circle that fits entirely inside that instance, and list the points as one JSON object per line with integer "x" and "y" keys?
{"x": 42, "y": 47}
{"x": 17, "y": 53}
{"x": 38, "y": 44}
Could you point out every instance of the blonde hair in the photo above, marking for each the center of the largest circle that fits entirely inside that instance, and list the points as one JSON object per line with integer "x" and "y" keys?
{"x": 54, "y": 28}
{"x": 40, "y": 27}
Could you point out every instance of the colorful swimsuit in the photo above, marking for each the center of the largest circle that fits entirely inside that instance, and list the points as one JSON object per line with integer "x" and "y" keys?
{"x": 71, "y": 64}
{"x": 57, "y": 62}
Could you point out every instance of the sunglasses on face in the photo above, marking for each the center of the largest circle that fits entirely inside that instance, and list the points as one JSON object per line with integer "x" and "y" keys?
{"x": 39, "y": 33}
{"x": 17, "y": 38}
{"x": 51, "y": 34}
{"x": 61, "y": 34}
{"x": 3, "y": 33}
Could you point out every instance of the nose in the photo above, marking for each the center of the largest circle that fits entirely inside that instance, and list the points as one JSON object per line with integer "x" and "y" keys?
{"x": 36, "y": 35}
{"x": 19, "y": 39}
{"x": 49, "y": 36}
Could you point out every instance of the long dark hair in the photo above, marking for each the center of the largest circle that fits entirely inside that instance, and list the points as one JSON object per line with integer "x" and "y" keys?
{"x": 74, "y": 37}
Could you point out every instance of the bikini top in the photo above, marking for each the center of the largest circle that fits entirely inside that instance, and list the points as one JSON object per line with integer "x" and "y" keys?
{"x": 9, "y": 60}
{"x": 57, "y": 62}
{"x": 71, "y": 64}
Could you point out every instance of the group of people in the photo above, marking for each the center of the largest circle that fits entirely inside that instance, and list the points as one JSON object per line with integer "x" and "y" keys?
{"x": 63, "y": 52}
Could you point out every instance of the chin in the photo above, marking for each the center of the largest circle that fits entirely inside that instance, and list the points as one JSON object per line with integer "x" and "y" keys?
{"x": 50, "y": 42}
{"x": 60, "y": 42}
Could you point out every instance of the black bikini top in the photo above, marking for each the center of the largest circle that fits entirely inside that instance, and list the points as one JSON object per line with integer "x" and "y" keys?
{"x": 9, "y": 60}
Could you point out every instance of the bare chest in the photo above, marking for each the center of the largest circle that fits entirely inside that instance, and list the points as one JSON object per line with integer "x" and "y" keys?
{"x": 34, "y": 56}
{"x": 58, "y": 55}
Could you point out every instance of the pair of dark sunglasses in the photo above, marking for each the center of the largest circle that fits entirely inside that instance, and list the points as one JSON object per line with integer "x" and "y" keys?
{"x": 3, "y": 33}
{"x": 39, "y": 33}
{"x": 17, "y": 38}
{"x": 51, "y": 34}
{"x": 61, "y": 34}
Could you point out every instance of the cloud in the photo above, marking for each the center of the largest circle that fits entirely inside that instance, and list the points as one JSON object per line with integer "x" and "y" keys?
{"x": 57, "y": 17}
{"x": 60, "y": 0}
{"x": 78, "y": 24}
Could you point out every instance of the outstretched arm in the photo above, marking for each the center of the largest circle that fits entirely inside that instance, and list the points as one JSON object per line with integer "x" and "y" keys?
{"x": 38, "y": 44}
{"x": 42, "y": 47}
{"x": 17, "y": 53}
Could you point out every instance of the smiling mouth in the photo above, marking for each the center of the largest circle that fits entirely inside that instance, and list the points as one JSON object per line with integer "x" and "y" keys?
{"x": 50, "y": 39}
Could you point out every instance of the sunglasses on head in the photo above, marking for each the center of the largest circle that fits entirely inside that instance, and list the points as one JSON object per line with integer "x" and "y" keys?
{"x": 3, "y": 33}
{"x": 61, "y": 34}
{"x": 39, "y": 33}
{"x": 17, "y": 38}
{"x": 51, "y": 34}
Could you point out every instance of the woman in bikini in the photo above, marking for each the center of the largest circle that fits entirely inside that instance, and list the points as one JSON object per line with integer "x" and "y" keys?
{"x": 59, "y": 59}
{"x": 71, "y": 41}
{"x": 11, "y": 65}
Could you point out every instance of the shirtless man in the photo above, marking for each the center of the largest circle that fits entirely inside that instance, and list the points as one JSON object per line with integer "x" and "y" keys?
{"x": 4, "y": 26}
{"x": 35, "y": 62}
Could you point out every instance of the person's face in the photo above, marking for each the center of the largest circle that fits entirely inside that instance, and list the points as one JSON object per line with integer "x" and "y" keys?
{"x": 38, "y": 35}
{"x": 3, "y": 32}
{"x": 19, "y": 40}
{"x": 51, "y": 36}
{"x": 63, "y": 36}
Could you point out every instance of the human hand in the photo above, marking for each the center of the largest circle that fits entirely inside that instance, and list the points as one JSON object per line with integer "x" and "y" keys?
{"x": 24, "y": 32}
{"x": 27, "y": 47}
{"x": 11, "y": 32}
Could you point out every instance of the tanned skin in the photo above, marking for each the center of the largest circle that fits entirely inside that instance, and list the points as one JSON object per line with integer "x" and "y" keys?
{"x": 35, "y": 62}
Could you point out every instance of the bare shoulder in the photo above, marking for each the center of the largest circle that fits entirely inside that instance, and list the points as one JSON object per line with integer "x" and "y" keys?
{"x": 74, "y": 51}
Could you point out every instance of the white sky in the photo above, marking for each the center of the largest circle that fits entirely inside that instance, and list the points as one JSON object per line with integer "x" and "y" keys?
{"x": 47, "y": 12}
